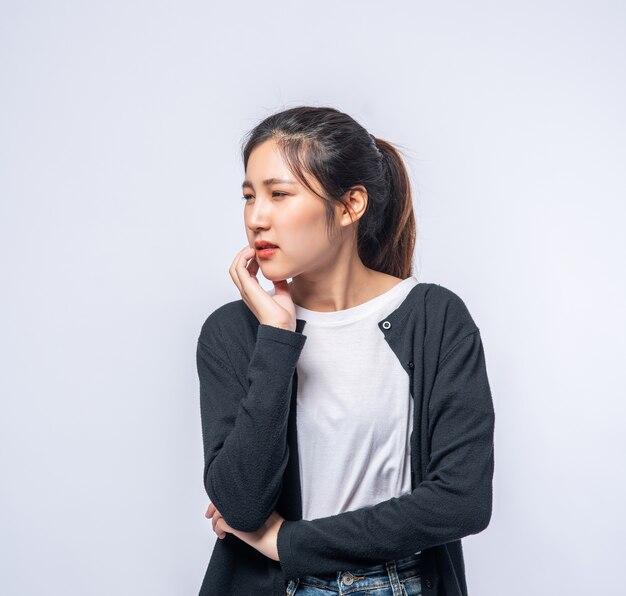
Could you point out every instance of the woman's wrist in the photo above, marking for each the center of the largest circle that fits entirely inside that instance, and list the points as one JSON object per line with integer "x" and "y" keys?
{"x": 284, "y": 326}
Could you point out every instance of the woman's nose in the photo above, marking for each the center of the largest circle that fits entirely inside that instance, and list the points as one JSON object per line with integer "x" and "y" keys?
{"x": 259, "y": 214}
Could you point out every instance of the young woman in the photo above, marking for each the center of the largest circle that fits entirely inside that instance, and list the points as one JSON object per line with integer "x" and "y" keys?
{"x": 347, "y": 418}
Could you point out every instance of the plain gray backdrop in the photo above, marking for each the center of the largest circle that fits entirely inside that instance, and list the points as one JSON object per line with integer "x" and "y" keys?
{"x": 120, "y": 214}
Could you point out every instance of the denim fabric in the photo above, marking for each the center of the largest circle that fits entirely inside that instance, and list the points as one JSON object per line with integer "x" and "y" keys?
{"x": 400, "y": 577}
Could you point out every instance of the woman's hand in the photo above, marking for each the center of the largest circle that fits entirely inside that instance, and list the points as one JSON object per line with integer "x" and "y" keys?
{"x": 265, "y": 539}
{"x": 278, "y": 310}
{"x": 212, "y": 512}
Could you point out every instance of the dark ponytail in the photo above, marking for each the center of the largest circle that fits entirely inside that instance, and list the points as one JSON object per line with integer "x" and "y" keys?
{"x": 339, "y": 153}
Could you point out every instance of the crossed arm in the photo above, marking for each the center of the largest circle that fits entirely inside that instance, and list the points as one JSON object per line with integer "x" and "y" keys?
{"x": 453, "y": 501}
{"x": 265, "y": 539}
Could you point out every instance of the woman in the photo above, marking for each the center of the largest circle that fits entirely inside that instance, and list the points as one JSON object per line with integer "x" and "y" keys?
{"x": 389, "y": 460}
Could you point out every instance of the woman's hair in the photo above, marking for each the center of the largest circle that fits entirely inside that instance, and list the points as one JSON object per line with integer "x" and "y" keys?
{"x": 339, "y": 153}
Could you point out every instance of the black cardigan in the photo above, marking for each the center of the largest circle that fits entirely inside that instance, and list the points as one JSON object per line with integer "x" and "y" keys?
{"x": 248, "y": 388}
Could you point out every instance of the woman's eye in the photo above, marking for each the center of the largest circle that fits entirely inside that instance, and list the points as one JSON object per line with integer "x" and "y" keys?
{"x": 248, "y": 197}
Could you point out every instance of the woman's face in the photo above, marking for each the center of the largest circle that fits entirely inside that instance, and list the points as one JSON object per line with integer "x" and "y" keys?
{"x": 282, "y": 211}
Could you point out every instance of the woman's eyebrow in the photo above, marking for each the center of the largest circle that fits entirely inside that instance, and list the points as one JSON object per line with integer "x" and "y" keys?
{"x": 268, "y": 182}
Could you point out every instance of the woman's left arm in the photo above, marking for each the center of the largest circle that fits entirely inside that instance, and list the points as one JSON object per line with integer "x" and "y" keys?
{"x": 453, "y": 501}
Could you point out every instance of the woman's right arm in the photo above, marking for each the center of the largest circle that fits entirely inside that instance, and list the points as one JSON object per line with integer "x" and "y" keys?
{"x": 244, "y": 429}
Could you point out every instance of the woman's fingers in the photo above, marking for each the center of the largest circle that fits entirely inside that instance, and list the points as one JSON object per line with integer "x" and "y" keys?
{"x": 244, "y": 276}
{"x": 216, "y": 520}
{"x": 245, "y": 273}
{"x": 220, "y": 529}
{"x": 216, "y": 516}
{"x": 253, "y": 267}
{"x": 234, "y": 265}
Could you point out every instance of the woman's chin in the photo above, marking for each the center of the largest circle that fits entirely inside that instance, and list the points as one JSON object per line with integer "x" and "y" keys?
{"x": 275, "y": 278}
{"x": 274, "y": 273}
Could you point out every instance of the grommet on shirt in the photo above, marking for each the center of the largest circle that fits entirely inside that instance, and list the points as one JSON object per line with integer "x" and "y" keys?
{"x": 410, "y": 364}
{"x": 386, "y": 325}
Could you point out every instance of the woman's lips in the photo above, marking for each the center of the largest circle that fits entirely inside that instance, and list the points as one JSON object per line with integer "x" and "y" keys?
{"x": 266, "y": 252}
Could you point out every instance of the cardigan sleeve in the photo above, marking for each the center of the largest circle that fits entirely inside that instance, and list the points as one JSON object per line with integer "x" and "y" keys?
{"x": 244, "y": 429}
{"x": 453, "y": 501}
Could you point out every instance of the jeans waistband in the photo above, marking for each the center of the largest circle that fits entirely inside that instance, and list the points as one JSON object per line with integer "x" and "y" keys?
{"x": 403, "y": 563}
{"x": 412, "y": 562}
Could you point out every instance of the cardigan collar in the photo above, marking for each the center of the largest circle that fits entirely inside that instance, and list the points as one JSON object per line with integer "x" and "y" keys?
{"x": 391, "y": 325}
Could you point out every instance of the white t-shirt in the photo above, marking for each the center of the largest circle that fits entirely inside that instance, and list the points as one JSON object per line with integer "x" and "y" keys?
{"x": 354, "y": 409}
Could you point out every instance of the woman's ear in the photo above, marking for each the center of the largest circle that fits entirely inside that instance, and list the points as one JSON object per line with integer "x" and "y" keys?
{"x": 356, "y": 203}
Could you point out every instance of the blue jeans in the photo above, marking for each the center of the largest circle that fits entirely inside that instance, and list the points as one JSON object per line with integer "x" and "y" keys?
{"x": 400, "y": 577}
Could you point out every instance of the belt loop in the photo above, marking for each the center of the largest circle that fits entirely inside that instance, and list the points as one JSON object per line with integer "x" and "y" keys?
{"x": 394, "y": 580}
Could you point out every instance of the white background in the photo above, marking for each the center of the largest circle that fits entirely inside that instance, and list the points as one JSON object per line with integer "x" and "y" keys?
{"x": 120, "y": 214}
